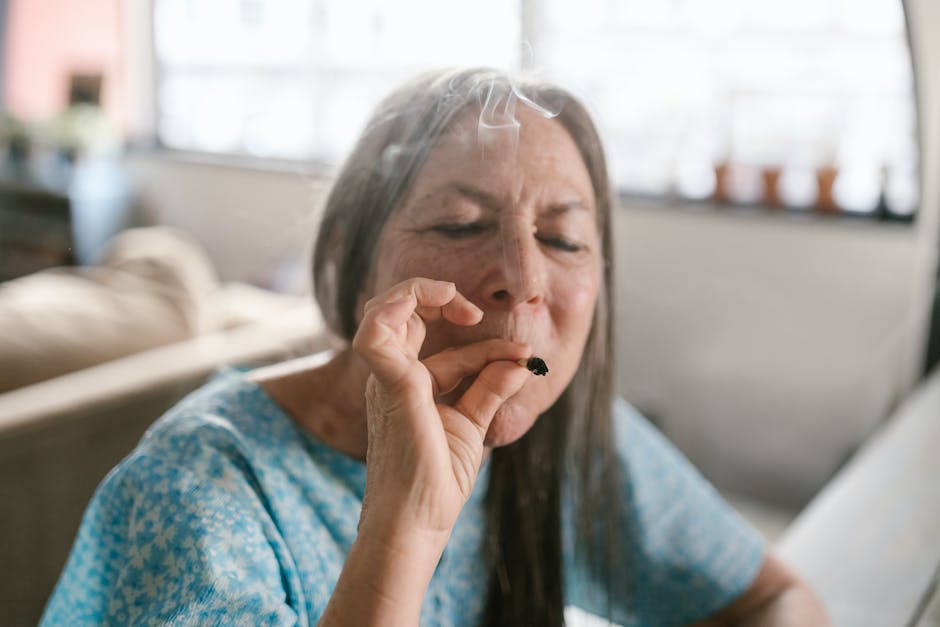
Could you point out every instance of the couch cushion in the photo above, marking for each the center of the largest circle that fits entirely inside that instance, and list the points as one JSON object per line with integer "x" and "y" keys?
{"x": 154, "y": 287}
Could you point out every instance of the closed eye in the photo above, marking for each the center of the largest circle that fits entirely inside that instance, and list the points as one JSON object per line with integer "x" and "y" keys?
{"x": 561, "y": 244}
{"x": 464, "y": 230}
{"x": 456, "y": 231}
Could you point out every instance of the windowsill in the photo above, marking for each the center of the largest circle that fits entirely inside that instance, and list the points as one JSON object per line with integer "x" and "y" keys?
{"x": 676, "y": 203}
{"x": 231, "y": 161}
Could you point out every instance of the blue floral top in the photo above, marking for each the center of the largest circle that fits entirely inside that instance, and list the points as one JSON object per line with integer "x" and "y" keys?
{"x": 227, "y": 513}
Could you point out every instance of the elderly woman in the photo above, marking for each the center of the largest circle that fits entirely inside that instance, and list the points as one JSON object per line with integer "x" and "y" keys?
{"x": 424, "y": 474}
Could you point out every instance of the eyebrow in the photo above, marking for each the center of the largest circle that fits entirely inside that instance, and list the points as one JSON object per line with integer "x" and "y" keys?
{"x": 562, "y": 207}
{"x": 490, "y": 201}
{"x": 476, "y": 194}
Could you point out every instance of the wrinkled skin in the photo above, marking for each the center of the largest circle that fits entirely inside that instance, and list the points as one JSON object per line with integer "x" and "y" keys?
{"x": 512, "y": 224}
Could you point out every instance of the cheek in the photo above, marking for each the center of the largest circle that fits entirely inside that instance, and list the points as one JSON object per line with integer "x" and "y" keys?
{"x": 572, "y": 314}
{"x": 396, "y": 261}
{"x": 573, "y": 305}
{"x": 418, "y": 259}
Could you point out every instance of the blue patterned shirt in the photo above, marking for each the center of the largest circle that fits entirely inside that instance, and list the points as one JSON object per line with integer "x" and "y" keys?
{"x": 228, "y": 513}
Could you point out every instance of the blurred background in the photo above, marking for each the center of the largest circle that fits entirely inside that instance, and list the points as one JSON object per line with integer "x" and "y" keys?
{"x": 162, "y": 163}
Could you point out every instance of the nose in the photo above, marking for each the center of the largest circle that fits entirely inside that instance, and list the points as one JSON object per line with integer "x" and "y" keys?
{"x": 517, "y": 273}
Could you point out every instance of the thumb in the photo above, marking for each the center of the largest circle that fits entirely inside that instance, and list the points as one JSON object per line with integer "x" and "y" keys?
{"x": 495, "y": 384}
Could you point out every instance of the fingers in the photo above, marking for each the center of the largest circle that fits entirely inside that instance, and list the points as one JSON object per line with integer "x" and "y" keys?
{"x": 382, "y": 338}
{"x": 450, "y": 366}
{"x": 495, "y": 384}
{"x": 390, "y": 335}
{"x": 393, "y": 313}
{"x": 434, "y": 300}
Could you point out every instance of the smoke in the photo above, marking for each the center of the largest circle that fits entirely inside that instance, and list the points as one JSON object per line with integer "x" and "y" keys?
{"x": 498, "y": 99}
{"x": 498, "y": 105}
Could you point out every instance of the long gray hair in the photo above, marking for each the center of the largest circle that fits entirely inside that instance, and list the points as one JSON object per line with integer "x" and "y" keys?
{"x": 573, "y": 438}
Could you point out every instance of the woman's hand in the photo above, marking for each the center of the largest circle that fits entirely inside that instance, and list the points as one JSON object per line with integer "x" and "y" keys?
{"x": 423, "y": 455}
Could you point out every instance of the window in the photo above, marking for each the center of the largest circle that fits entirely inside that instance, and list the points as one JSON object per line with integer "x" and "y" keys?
{"x": 801, "y": 103}
{"x": 297, "y": 79}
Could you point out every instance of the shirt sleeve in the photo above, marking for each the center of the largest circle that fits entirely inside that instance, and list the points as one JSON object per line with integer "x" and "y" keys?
{"x": 161, "y": 544}
{"x": 684, "y": 553}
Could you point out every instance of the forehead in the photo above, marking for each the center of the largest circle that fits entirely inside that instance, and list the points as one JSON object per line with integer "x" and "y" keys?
{"x": 538, "y": 151}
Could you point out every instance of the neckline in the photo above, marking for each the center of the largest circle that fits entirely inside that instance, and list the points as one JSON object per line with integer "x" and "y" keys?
{"x": 349, "y": 467}
{"x": 340, "y": 462}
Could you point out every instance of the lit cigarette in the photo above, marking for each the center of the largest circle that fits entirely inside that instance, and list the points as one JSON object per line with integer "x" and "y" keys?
{"x": 536, "y": 365}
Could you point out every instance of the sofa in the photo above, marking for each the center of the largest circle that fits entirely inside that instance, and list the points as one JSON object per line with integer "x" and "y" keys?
{"x": 59, "y": 437}
{"x": 89, "y": 358}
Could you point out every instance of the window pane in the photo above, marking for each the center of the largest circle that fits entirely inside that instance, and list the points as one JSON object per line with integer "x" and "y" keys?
{"x": 681, "y": 88}
{"x": 232, "y": 33}
{"x": 297, "y": 78}
{"x": 268, "y": 116}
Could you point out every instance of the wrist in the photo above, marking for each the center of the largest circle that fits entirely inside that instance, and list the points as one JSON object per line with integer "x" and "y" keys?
{"x": 393, "y": 538}
{"x": 384, "y": 580}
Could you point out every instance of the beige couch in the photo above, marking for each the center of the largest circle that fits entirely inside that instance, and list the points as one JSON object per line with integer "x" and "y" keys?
{"x": 59, "y": 437}
{"x": 155, "y": 286}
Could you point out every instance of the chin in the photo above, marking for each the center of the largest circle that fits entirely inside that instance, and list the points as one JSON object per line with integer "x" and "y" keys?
{"x": 511, "y": 422}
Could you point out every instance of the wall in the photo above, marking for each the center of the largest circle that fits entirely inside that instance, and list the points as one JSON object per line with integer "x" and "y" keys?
{"x": 257, "y": 225}
{"x": 50, "y": 39}
{"x": 766, "y": 347}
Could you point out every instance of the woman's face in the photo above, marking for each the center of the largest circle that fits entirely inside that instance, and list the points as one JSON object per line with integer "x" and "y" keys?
{"x": 512, "y": 223}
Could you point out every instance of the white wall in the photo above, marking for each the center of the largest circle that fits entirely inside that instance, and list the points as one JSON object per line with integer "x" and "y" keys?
{"x": 256, "y": 224}
{"x": 767, "y": 347}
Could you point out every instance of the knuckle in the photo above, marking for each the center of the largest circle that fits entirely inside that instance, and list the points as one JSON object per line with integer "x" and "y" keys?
{"x": 371, "y": 304}
{"x": 414, "y": 284}
{"x": 365, "y": 339}
{"x": 470, "y": 412}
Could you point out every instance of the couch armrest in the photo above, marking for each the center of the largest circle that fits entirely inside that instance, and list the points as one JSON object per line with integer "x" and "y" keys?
{"x": 58, "y": 439}
{"x": 294, "y": 332}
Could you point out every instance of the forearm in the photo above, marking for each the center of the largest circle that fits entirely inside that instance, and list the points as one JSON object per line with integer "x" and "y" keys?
{"x": 796, "y": 606}
{"x": 383, "y": 581}
{"x": 777, "y": 597}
